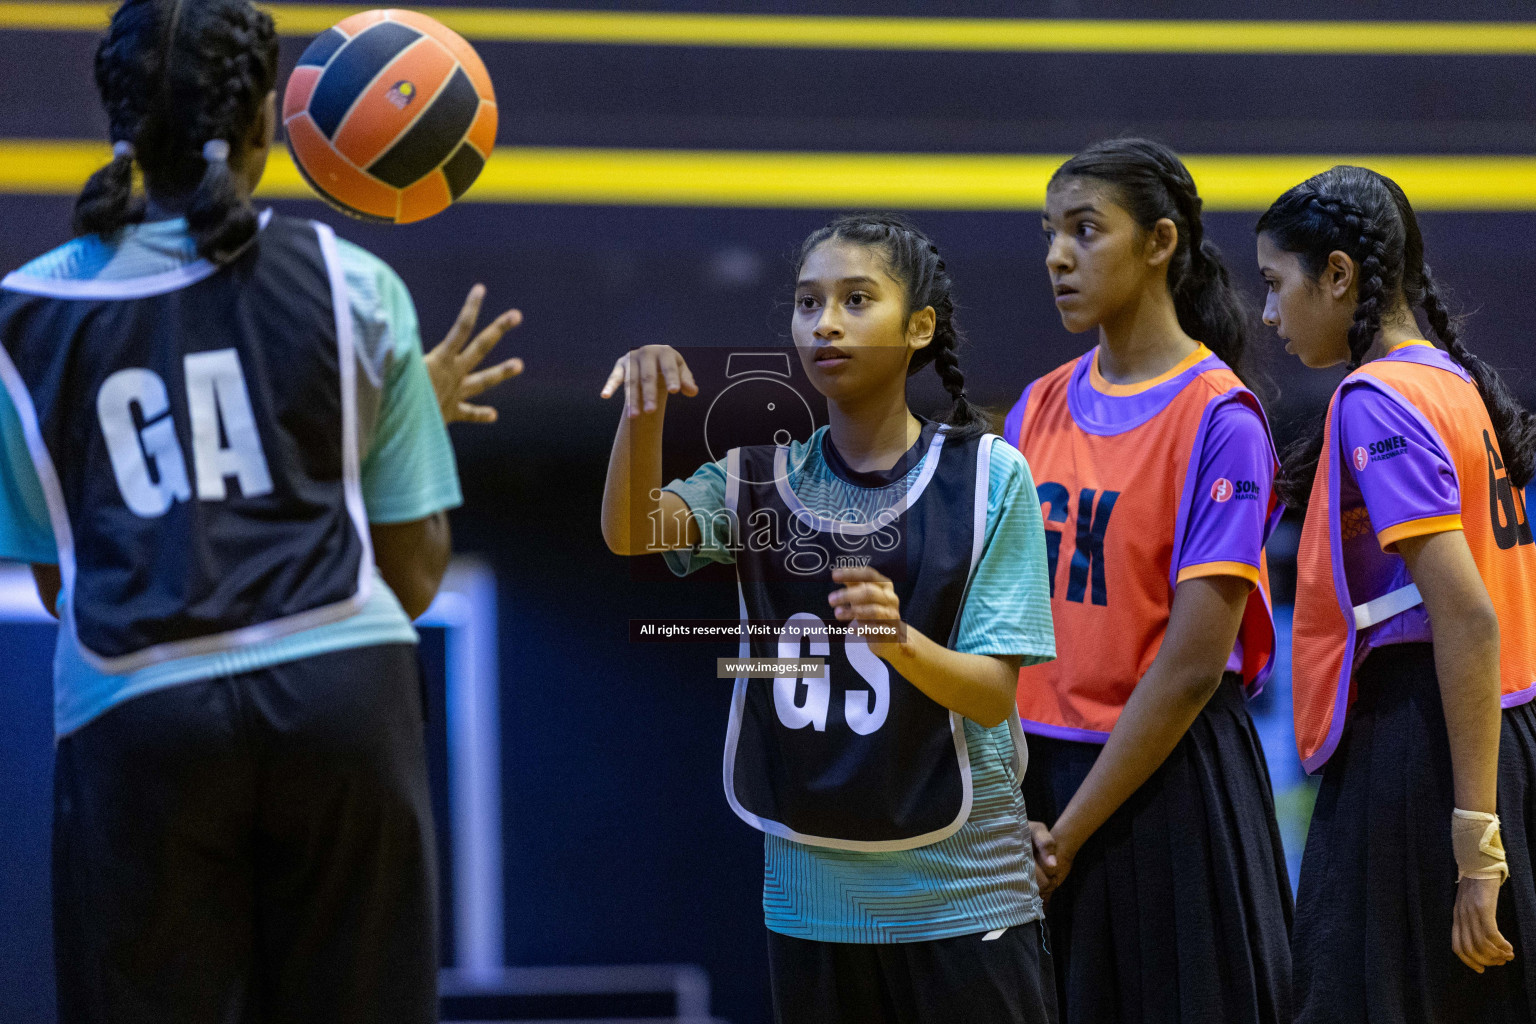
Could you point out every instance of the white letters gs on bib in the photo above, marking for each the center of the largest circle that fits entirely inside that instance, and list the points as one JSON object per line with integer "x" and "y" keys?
{"x": 216, "y": 398}
{"x": 802, "y": 702}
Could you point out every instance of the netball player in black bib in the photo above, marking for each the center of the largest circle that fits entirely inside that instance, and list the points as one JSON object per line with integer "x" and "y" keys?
{"x": 898, "y": 880}
{"x": 220, "y": 446}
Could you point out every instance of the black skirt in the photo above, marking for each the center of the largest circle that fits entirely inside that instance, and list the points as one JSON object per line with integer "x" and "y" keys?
{"x": 1378, "y": 878}
{"x": 1178, "y": 910}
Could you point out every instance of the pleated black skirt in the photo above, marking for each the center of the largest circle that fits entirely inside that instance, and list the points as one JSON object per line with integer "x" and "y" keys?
{"x": 1178, "y": 910}
{"x": 1378, "y": 878}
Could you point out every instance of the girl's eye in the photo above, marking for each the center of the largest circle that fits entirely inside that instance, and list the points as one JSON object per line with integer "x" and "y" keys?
{"x": 1085, "y": 229}
{"x": 807, "y": 302}
{"x": 857, "y": 299}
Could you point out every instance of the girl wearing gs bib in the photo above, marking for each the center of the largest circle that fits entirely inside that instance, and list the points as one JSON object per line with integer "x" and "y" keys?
{"x": 1415, "y": 621}
{"x": 1169, "y": 900}
{"x": 898, "y": 884}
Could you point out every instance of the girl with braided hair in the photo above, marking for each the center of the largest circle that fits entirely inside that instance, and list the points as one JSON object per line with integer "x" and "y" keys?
{"x": 898, "y": 881}
{"x": 1415, "y": 622}
{"x": 1158, "y": 845}
{"x": 221, "y": 450}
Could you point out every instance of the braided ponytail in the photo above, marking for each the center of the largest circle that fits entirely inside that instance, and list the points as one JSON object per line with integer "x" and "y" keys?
{"x": 107, "y": 202}
{"x": 1371, "y": 243}
{"x": 183, "y": 82}
{"x": 914, "y": 260}
{"x": 221, "y": 217}
{"x": 125, "y": 70}
{"x": 1152, "y": 184}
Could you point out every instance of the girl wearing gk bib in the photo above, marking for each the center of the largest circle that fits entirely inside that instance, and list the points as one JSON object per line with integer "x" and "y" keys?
{"x": 1169, "y": 900}
{"x": 220, "y": 448}
{"x": 898, "y": 883}
{"x": 1415, "y": 620}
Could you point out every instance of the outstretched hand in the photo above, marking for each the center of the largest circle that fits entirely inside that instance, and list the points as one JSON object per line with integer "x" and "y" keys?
{"x": 648, "y": 374}
{"x": 451, "y": 363}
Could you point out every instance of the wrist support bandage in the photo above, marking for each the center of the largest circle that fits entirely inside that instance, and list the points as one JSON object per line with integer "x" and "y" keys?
{"x": 1476, "y": 844}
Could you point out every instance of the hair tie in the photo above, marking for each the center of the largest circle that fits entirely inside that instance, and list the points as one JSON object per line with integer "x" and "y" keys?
{"x": 216, "y": 151}
{"x": 122, "y": 149}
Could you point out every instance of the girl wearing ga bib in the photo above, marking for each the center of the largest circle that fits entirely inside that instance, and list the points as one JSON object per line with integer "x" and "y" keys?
{"x": 1153, "y": 464}
{"x": 1415, "y": 621}
{"x": 221, "y": 450}
{"x": 898, "y": 881}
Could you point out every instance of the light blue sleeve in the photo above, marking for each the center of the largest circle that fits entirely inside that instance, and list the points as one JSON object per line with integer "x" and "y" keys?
{"x": 25, "y": 532}
{"x": 704, "y": 493}
{"x": 1008, "y": 608}
{"x": 408, "y": 470}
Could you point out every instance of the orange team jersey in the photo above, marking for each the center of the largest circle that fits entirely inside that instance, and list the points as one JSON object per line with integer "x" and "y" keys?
{"x": 1349, "y": 599}
{"x": 1141, "y": 486}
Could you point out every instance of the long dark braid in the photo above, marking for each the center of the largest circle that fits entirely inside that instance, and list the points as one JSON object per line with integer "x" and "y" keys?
{"x": 1151, "y": 183}
{"x": 1365, "y": 215}
{"x": 173, "y": 76}
{"x": 914, "y": 260}
{"x": 125, "y": 71}
{"x": 1513, "y": 424}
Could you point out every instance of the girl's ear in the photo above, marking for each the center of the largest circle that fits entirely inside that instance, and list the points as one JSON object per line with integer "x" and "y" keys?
{"x": 258, "y": 143}
{"x": 920, "y": 327}
{"x": 264, "y": 128}
{"x": 1339, "y": 275}
{"x": 1162, "y": 242}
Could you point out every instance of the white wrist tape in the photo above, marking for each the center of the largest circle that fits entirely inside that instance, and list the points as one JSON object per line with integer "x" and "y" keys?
{"x": 1475, "y": 842}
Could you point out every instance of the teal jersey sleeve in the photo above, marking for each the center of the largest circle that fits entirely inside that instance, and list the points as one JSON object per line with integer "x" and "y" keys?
{"x": 408, "y": 467}
{"x": 1008, "y": 607}
{"x": 704, "y": 493}
{"x": 26, "y": 534}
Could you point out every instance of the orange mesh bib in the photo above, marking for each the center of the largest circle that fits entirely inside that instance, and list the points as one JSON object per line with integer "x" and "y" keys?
{"x": 1493, "y": 519}
{"x": 1115, "y": 509}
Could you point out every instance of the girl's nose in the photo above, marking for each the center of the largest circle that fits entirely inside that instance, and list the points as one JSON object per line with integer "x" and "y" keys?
{"x": 1056, "y": 256}
{"x": 827, "y": 326}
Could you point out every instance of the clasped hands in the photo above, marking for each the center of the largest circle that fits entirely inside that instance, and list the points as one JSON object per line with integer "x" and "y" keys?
{"x": 1053, "y": 857}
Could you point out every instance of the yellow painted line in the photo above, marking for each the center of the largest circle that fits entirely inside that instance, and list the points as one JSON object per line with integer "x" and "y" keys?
{"x": 659, "y": 177}
{"x": 1017, "y": 35}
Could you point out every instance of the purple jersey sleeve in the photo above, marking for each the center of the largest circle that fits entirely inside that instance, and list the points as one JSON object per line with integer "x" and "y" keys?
{"x": 1229, "y": 516}
{"x": 1405, "y": 475}
{"x": 1015, "y": 421}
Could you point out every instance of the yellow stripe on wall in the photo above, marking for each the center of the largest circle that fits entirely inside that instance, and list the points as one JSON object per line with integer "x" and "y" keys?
{"x": 1018, "y": 35}
{"x": 651, "y": 177}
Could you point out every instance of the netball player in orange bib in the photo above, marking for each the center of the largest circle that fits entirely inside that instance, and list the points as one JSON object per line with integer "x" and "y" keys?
{"x": 1154, "y": 466}
{"x": 1414, "y": 620}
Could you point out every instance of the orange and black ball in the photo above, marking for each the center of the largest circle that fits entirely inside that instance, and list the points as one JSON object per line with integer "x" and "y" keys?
{"x": 390, "y": 116}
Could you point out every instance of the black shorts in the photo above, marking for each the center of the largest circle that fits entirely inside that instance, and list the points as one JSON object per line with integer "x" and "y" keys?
{"x": 1005, "y": 980}
{"x": 252, "y": 847}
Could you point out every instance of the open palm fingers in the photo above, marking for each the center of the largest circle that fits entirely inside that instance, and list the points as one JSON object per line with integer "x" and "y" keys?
{"x": 464, "y": 324}
{"x": 486, "y": 340}
{"x": 483, "y": 380}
